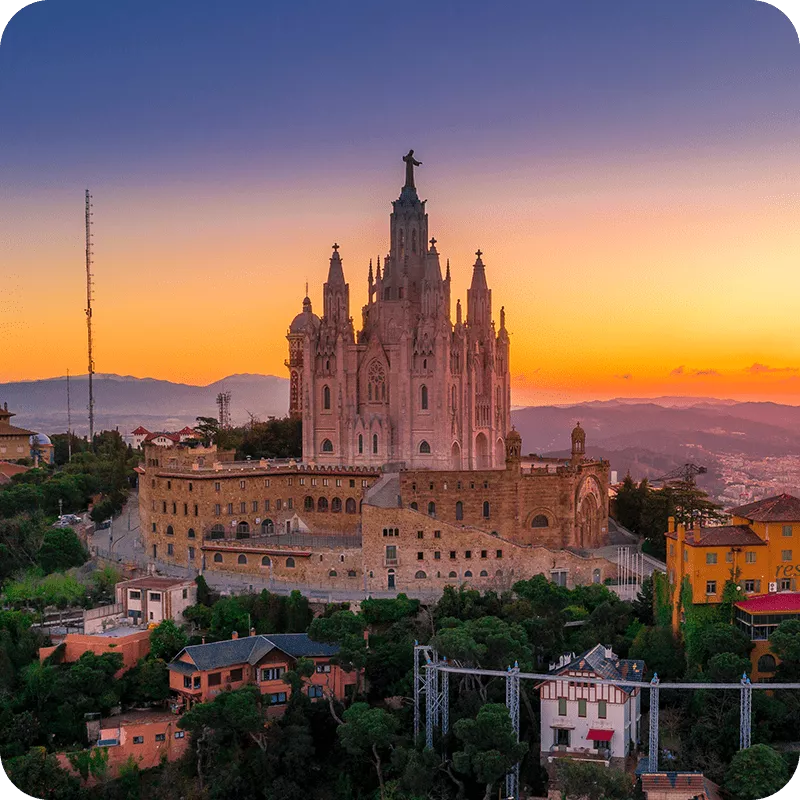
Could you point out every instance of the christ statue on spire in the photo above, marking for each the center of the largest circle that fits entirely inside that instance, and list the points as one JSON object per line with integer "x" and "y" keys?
{"x": 411, "y": 162}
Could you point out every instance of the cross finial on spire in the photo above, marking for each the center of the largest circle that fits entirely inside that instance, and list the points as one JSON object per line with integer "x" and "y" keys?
{"x": 306, "y": 288}
{"x": 335, "y": 246}
{"x": 478, "y": 253}
{"x": 433, "y": 242}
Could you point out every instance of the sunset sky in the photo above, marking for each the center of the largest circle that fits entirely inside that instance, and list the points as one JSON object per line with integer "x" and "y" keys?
{"x": 630, "y": 170}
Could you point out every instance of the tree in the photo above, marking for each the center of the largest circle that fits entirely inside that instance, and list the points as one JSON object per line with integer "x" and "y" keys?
{"x": 489, "y": 746}
{"x": 347, "y": 630}
{"x": 38, "y": 773}
{"x": 167, "y": 640}
{"x": 229, "y": 615}
{"x": 90, "y": 763}
{"x": 759, "y": 771}
{"x": 785, "y": 643}
{"x": 368, "y": 732}
{"x": 61, "y": 549}
{"x": 721, "y": 637}
{"x": 204, "y": 594}
{"x": 643, "y": 605}
{"x": 147, "y": 682}
{"x": 726, "y": 668}
{"x": 661, "y": 652}
{"x": 592, "y": 781}
{"x": 208, "y": 428}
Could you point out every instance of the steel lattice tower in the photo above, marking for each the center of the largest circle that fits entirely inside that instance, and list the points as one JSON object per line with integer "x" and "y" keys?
{"x": 653, "y": 744}
{"x": 745, "y": 713}
{"x": 512, "y": 704}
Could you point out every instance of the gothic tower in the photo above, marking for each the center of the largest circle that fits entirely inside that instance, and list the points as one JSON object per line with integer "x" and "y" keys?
{"x": 410, "y": 388}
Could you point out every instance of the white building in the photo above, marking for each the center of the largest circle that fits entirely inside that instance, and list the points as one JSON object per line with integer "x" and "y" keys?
{"x": 591, "y": 722}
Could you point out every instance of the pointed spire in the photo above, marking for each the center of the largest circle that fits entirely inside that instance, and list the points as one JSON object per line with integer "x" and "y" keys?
{"x": 378, "y": 273}
{"x": 447, "y": 275}
{"x": 479, "y": 273}
{"x": 458, "y": 312}
{"x": 370, "y": 271}
{"x": 335, "y": 271}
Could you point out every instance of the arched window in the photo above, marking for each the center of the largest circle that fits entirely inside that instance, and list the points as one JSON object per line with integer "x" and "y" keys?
{"x": 431, "y": 509}
{"x": 217, "y": 532}
{"x": 375, "y": 443}
{"x": 242, "y": 531}
{"x": 326, "y": 398}
{"x": 415, "y": 506}
{"x": 350, "y": 506}
{"x": 191, "y": 534}
{"x": 459, "y": 510}
{"x": 539, "y": 521}
{"x": 420, "y": 574}
{"x": 242, "y": 559}
{"x": 327, "y": 446}
{"x": 484, "y": 573}
{"x": 267, "y": 527}
{"x": 452, "y": 575}
{"x": 498, "y": 573}
{"x": 376, "y": 381}
{"x": 265, "y": 562}
{"x": 290, "y": 562}
{"x": 486, "y": 509}
{"x": 767, "y": 663}
{"x": 351, "y": 573}
{"x": 170, "y": 530}
{"x": 308, "y": 503}
{"x": 336, "y": 505}
{"x": 217, "y": 558}
{"x": 596, "y": 576}
{"x": 360, "y": 444}
{"x": 468, "y": 574}
{"x": 423, "y": 398}
{"x": 322, "y": 504}
{"x": 424, "y": 447}
{"x": 332, "y": 573}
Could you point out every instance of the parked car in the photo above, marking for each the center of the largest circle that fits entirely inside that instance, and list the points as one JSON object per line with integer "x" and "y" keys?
{"x": 104, "y": 525}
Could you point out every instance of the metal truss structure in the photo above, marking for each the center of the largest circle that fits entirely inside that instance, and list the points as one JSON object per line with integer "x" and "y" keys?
{"x": 432, "y": 679}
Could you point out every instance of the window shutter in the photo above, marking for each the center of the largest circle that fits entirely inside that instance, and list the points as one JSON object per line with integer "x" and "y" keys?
{"x": 794, "y": 584}
{"x": 758, "y": 586}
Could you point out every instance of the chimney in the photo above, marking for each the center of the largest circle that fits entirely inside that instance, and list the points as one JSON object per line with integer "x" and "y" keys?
{"x": 203, "y": 640}
{"x": 235, "y": 635}
{"x": 252, "y": 631}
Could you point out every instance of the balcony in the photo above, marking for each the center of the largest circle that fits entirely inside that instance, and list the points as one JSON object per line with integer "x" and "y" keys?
{"x": 600, "y": 755}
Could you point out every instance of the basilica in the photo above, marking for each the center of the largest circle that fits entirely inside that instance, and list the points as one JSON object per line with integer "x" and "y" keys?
{"x": 410, "y": 389}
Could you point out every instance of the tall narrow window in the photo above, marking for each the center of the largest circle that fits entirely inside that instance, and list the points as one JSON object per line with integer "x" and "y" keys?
{"x": 360, "y": 444}
{"x": 459, "y": 510}
{"x": 486, "y": 509}
{"x": 424, "y": 398}
{"x": 327, "y": 446}
{"x": 375, "y": 443}
{"x": 326, "y": 398}
{"x": 424, "y": 447}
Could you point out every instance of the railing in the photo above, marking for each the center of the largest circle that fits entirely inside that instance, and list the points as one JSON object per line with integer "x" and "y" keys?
{"x": 307, "y": 540}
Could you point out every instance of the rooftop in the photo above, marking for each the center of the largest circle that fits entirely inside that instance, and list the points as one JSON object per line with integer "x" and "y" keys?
{"x": 780, "y": 508}
{"x": 153, "y": 582}
{"x": 602, "y": 661}
{"x": 721, "y": 536}
{"x": 136, "y": 718}
{"x": 250, "y": 649}
{"x": 776, "y": 603}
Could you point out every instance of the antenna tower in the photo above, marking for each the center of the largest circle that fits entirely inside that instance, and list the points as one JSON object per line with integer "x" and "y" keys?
{"x": 69, "y": 423}
{"x": 89, "y": 277}
{"x": 224, "y": 405}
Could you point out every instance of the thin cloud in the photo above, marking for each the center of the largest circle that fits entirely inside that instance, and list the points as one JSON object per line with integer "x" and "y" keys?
{"x": 761, "y": 369}
{"x": 626, "y": 377}
{"x": 681, "y": 371}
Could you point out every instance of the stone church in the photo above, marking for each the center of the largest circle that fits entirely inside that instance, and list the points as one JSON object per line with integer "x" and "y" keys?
{"x": 411, "y": 389}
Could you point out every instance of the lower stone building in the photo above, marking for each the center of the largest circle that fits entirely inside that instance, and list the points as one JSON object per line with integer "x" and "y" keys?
{"x": 366, "y": 530}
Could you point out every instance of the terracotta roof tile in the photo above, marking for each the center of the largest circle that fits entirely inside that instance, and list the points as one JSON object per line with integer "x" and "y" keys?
{"x": 780, "y": 508}
{"x": 721, "y": 536}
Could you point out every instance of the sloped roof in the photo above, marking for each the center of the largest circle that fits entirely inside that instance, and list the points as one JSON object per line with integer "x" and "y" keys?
{"x": 780, "y": 602}
{"x": 608, "y": 668}
{"x": 250, "y": 649}
{"x": 780, "y": 508}
{"x": 13, "y": 430}
{"x": 139, "y": 431}
{"x": 721, "y": 536}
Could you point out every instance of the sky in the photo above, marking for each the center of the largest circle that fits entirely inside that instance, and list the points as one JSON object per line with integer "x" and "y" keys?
{"x": 630, "y": 171}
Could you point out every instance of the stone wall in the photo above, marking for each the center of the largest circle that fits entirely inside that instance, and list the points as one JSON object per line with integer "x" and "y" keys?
{"x": 508, "y": 501}
{"x": 431, "y": 554}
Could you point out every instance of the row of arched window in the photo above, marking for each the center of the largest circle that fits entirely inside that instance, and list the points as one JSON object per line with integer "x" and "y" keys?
{"x": 421, "y": 574}
{"x": 335, "y": 505}
{"x": 376, "y": 390}
{"x": 242, "y": 560}
{"x": 190, "y": 534}
{"x": 374, "y": 444}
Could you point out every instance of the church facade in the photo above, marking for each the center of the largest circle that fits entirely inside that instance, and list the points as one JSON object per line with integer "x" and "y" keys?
{"x": 411, "y": 388}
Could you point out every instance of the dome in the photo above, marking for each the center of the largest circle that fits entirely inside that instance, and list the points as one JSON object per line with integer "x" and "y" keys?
{"x": 578, "y": 433}
{"x": 41, "y": 439}
{"x": 305, "y": 319}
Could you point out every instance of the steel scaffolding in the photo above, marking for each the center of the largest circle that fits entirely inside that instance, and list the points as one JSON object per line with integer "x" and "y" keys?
{"x": 434, "y": 683}
{"x": 652, "y": 751}
{"x": 745, "y": 712}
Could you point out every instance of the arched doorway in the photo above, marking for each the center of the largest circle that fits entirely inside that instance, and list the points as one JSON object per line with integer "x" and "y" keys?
{"x": 390, "y": 579}
{"x": 455, "y": 456}
{"x": 587, "y": 522}
{"x": 481, "y": 451}
{"x": 499, "y": 452}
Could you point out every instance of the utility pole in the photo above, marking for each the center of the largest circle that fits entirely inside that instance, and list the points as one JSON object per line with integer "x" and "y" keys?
{"x": 89, "y": 312}
{"x": 69, "y": 424}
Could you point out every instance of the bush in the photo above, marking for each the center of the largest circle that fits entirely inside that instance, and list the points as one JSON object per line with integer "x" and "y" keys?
{"x": 60, "y": 550}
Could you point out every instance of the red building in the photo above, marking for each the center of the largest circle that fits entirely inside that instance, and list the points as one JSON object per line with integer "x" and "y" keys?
{"x": 759, "y": 618}
{"x": 200, "y": 672}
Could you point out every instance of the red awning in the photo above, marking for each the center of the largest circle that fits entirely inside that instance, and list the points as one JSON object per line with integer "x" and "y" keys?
{"x": 599, "y": 735}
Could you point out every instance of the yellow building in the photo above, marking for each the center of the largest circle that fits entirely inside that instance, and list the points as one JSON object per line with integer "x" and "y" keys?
{"x": 15, "y": 442}
{"x": 759, "y": 549}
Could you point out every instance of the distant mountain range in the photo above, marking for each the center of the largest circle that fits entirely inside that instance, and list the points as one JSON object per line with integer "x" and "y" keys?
{"x": 124, "y": 402}
{"x": 649, "y": 437}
